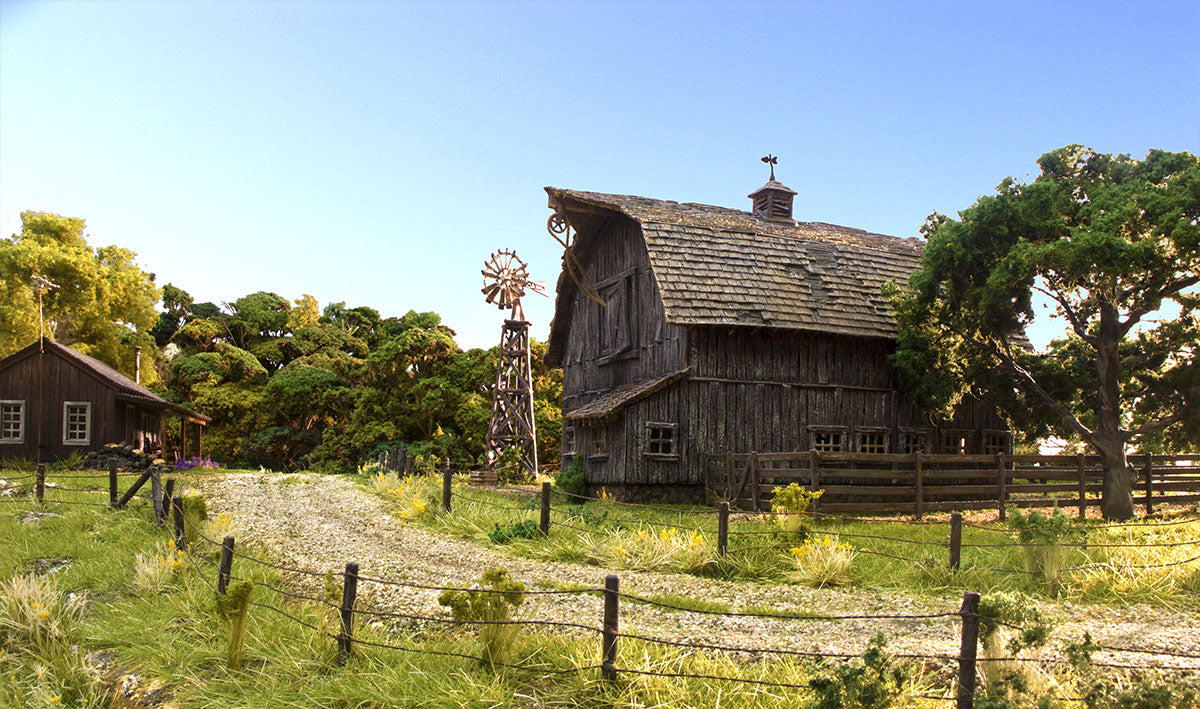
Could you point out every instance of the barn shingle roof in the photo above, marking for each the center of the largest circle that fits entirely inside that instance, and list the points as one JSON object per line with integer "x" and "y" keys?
{"x": 607, "y": 404}
{"x": 720, "y": 266}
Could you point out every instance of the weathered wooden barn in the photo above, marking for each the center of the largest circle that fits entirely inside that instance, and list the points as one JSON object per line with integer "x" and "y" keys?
{"x": 55, "y": 401}
{"x": 686, "y": 330}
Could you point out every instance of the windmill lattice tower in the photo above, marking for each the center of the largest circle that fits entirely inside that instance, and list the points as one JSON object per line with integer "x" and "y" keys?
{"x": 512, "y": 426}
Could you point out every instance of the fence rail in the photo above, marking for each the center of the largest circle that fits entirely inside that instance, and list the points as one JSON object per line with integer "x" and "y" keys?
{"x": 919, "y": 483}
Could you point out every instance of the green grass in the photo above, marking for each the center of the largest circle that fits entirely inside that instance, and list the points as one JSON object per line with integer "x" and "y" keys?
{"x": 581, "y": 531}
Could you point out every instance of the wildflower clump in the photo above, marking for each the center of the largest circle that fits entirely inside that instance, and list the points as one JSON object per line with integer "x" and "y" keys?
{"x": 491, "y": 603}
{"x": 1043, "y": 538}
{"x": 233, "y": 606}
{"x": 823, "y": 561}
{"x": 152, "y": 572}
{"x": 789, "y": 505}
{"x": 666, "y": 550}
{"x": 412, "y": 494}
{"x": 35, "y": 615}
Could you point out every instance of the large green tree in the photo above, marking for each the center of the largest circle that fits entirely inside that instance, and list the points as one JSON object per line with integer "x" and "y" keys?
{"x": 104, "y": 303}
{"x": 1114, "y": 244}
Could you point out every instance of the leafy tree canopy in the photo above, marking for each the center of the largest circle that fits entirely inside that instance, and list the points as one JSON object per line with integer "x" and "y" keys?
{"x": 1109, "y": 240}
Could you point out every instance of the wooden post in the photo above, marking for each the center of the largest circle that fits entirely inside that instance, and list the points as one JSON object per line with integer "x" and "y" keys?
{"x": 814, "y": 476}
{"x": 1149, "y": 484}
{"x": 1082, "y": 487}
{"x": 349, "y": 593}
{"x": 40, "y": 486}
{"x": 754, "y": 479}
{"x": 955, "y": 539}
{"x": 199, "y": 441}
{"x": 723, "y": 528}
{"x": 608, "y": 649}
{"x": 729, "y": 474}
{"x": 168, "y": 493}
{"x": 1001, "y": 487}
{"x": 545, "y": 521}
{"x": 137, "y": 485}
{"x": 226, "y": 564}
{"x": 156, "y": 495}
{"x": 447, "y": 478}
{"x": 112, "y": 483}
{"x": 177, "y": 513}
{"x": 919, "y": 486}
{"x": 967, "y": 650}
{"x": 183, "y": 438}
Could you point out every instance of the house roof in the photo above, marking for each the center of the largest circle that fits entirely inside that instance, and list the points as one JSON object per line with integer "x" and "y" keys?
{"x": 720, "y": 266}
{"x": 610, "y": 402}
{"x": 125, "y": 388}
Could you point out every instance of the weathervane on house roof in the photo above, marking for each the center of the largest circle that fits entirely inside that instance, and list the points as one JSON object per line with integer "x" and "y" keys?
{"x": 771, "y": 160}
{"x": 41, "y": 285}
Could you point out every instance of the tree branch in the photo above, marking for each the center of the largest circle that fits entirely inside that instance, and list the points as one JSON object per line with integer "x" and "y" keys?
{"x": 1076, "y": 324}
{"x": 1153, "y": 426}
{"x": 1169, "y": 290}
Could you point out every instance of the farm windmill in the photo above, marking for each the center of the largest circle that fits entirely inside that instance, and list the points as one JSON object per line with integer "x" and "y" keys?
{"x": 505, "y": 279}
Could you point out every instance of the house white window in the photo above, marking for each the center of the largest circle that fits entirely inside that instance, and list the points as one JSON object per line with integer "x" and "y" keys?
{"x": 77, "y": 423}
{"x": 661, "y": 440}
{"x": 12, "y": 421}
{"x": 872, "y": 442}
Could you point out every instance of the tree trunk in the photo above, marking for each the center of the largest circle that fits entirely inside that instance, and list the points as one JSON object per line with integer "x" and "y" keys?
{"x": 1117, "y": 499}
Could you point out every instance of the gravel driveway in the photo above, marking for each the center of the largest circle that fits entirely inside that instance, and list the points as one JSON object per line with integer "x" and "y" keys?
{"x": 319, "y": 523}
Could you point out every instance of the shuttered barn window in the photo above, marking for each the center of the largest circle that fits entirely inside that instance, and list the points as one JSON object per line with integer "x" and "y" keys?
{"x": 599, "y": 440}
{"x": 995, "y": 442}
{"x": 618, "y": 326}
{"x": 954, "y": 442}
{"x": 12, "y": 421}
{"x": 77, "y": 423}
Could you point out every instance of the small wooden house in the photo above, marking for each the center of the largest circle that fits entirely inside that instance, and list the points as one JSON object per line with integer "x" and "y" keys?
{"x": 55, "y": 401}
{"x": 687, "y": 330}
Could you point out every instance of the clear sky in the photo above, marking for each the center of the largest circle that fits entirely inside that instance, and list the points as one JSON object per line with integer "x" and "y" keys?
{"x": 377, "y": 152}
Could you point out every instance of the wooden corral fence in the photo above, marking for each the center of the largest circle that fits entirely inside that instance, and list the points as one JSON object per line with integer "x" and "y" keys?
{"x": 918, "y": 483}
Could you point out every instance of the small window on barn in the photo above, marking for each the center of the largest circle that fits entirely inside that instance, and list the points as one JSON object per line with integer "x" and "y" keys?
{"x": 661, "y": 440}
{"x": 618, "y": 326}
{"x": 954, "y": 442}
{"x": 873, "y": 442}
{"x": 827, "y": 441}
{"x": 995, "y": 442}
{"x": 915, "y": 443}
{"x": 599, "y": 441}
{"x": 568, "y": 441}
{"x": 12, "y": 421}
{"x": 77, "y": 423}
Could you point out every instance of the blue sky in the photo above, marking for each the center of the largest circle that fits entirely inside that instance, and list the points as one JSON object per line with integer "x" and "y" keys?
{"x": 377, "y": 152}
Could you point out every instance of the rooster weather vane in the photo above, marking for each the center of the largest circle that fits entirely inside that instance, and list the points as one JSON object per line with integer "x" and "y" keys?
{"x": 772, "y": 161}
{"x": 505, "y": 280}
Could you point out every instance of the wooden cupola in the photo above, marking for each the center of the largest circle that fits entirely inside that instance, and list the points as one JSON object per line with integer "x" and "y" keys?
{"x": 773, "y": 201}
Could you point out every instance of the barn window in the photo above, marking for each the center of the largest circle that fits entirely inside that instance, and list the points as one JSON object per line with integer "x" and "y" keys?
{"x": 827, "y": 441}
{"x": 77, "y": 423}
{"x": 954, "y": 442}
{"x": 12, "y": 421}
{"x": 995, "y": 442}
{"x": 618, "y": 328}
{"x": 568, "y": 441}
{"x": 916, "y": 443}
{"x": 599, "y": 440}
{"x": 873, "y": 442}
{"x": 661, "y": 440}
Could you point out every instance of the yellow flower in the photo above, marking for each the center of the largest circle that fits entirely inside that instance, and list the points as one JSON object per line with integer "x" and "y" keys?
{"x": 55, "y": 699}
{"x": 43, "y": 614}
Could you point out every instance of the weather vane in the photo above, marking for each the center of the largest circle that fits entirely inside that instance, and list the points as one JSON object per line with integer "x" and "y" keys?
{"x": 772, "y": 161}
{"x": 41, "y": 285}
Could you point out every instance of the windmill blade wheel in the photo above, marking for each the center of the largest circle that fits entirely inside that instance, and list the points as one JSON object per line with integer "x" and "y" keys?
{"x": 505, "y": 277}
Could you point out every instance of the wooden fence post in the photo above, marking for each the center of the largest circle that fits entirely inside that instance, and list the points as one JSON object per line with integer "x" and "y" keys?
{"x": 447, "y": 478}
{"x": 919, "y": 484}
{"x": 1082, "y": 487}
{"x": 814, "y": 476}
{"x": 156, "y": 495}
{"x": 112, "y": 483}
{"x": 754, "y": 479}
{"x": 1001, "y": 487}
{"x": 967, "y": 650}
{"x": 226, "y": 564}
{"x": 729, "y": 474}
{"x": 722, "y": 528}
{"x": 608, "y": 665}
{"x": 177, "y": 512}
{"x": 168, "y": 494}
{"x": 1149, "y": 484}
{"x": 349, "y": 593}
{"x": 40, "y": 486}
{"x": 137, "y": 485}
{"x": 545, "y": 521}
{"x": 955, "y": 539}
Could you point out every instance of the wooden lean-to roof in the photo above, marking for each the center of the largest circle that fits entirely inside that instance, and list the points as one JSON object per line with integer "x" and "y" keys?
{"x": 123, "y": 387}
{"x": 606, "y": 405}
{"x": 720, "y": 266}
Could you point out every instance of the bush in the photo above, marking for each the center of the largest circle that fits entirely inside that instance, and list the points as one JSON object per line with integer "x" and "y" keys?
{"x": 788, "y": 505}
{"x": 195, "y": 514}
{"x": 571, "y": 480}
{"x": 874, "y": 680}
{"x": 521, "y": 530}
{"x": 1001, "y": 643}
{"x": 494, "y": 603}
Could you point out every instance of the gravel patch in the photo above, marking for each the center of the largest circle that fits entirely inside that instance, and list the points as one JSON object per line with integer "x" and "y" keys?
{"x": 318, "y": 523}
